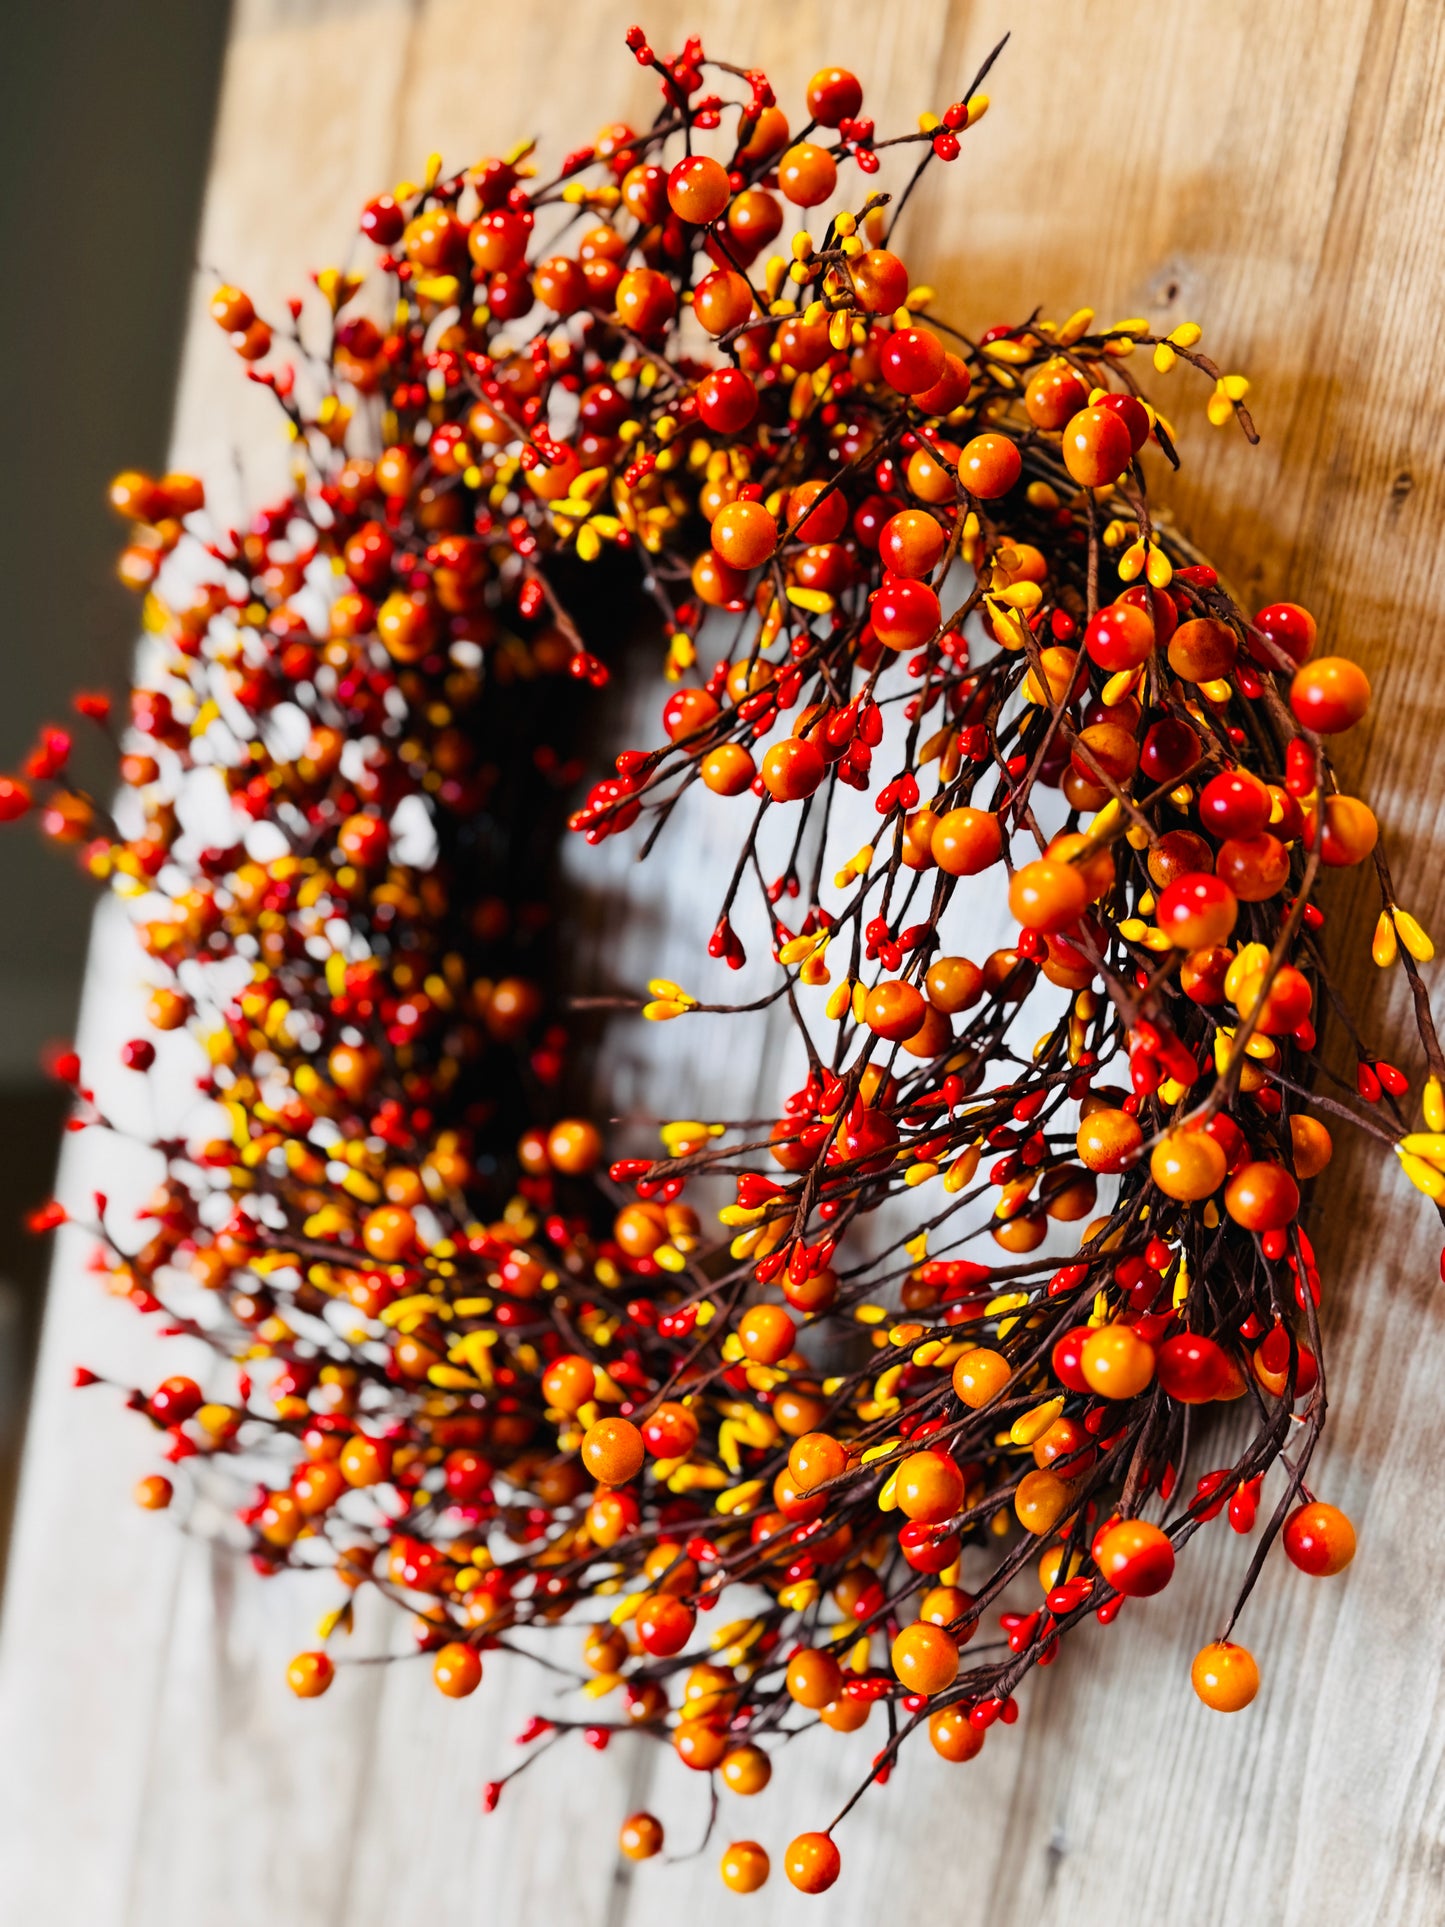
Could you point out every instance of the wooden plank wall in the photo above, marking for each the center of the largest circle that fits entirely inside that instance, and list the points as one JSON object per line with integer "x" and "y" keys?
{"x": 1274, "y": 170}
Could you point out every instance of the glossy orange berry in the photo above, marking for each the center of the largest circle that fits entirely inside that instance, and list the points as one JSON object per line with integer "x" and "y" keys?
{"x": 1135, "y": 1558}
{"x": 1254, "y": 867}
{"x": 1188, "y": 1165}
{"x": 925, "y": 1657}
{"x": 947, "y": 1606}
{"x": 612, "y": 1451}
{"x": 640, "y": 1836}
{"x": 813, "y": 1678}
{"x": 1054, "y": 395}
{"x": 1311, "y": 1144}
{"x": 1262, "y": 1196}
{"x": 1109, "y": 1140}
{"x": 1330, "y": 694}
{"x": 927, "y": 476}
{"x": 744, "y": 1867}
{"x": 754, "y": 219}
{"x": 457, "y": 1670}
{"x": 366, "y": 1461}
{"x": 744, "y": 535}
{"x": 1197, "y": 911}
{"x": 1116, "y": 1362}
{"x": 953, "y": 1735}
{"x": 910, "y": 543}
{"x": 929, "y": 1487}
{"x": 645, "y": 301}
{"x": 766, "y": 1333}
{"x": 154, "y": 1494}
{"x": 716, "y": 583}
{"x": 846, "y": 1714}
{"x": 1041, "y": 1500}
{"x": 894, "y": 1010}
{"x": 1350, "y": 831}
{"x": 1203, "y": 649}
{"x": 953, "y": 984}
{"x": 1047, "y": 895}
{"x": 309, "y": 1675}
{"x": 815, "y": 1458}
{"x": 1225, "y": 1676}
{"x": 812, "y": 1863}
{"x": 793, "y": 769}
{"x": 807, "y": 174}
{"x": 697, "y": 189}
{"x": 699, "y": 1744}
{"x": 722, "y": 301}
{"x": 388, "y": 1233}
{"x": 880, "y": 281}
{"x": 989, "y": 465}
{"x": 746, "y": 1770}
{"x": 980, "y": 1375}
{"x": 574, "y": 1146}
{"x": 1096, "y": 447}
{"x": 727, "y": 770}
{"x": 967, "y": 841}
{"x": 1319, "y": 1539}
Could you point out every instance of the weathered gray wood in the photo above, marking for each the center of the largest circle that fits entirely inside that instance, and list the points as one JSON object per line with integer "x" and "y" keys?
{"x": 1274, "y": 172}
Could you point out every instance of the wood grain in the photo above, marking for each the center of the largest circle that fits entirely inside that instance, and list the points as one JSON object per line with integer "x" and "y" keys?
{"x": 1273, "y": 171}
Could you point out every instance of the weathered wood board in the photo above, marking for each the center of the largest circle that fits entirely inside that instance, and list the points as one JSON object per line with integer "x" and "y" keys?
{"x": 1276, "y": 171}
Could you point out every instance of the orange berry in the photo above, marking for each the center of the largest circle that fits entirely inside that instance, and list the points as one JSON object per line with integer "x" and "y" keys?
{"x": 727, "y": 770}
{"x": 457, "y": 1670}
{"x": 1096, "y": 447}
{"x": 1054, "y": 395}
{"x": 925, "y": 1657}
{"x": 1203, "y": 649}
{"x": 1109, "y": 1141}
{"x": 698, "y": 190}
{"x": 746, "y": 1770}
{"x": 989, "y": 465}
{"x": 929, "y": 1487}
{"x": 154, "y": 1493}
{"x": 1047, "y": 895}
{"x": 953, "y": 984}
{"x": 744, "y": 534}
{"x": 569, "y": 1382}
{"x": 894, "y": 1010}
{"x": 812, "y": 1863}
{"x": 954, "y": 1736}
{"x": 309, "y": 1675}
{"x": 640, "y": 1836}
{"x": 813, "y": 1678}
{"x": 1225, "y": 1676}
{"x": 1312, "y": 1145}
{"x": 574, "y": 1146}
{"x": 1041, "y": 1501}
{"x": 1330, "y": 694}
{"x": 980, "y": 1375}
{"x": 807, "y": 174}
{"x": 815, "y": 1458}
{"x": 793, "y": 769}
{"x": 967, "y": 841}
{"x": 745, "y": 1867}
{"x": 1188, "y": 1165}
{"x": 1262, "y": 1196}
{"x": 766, "y": 1333}
{"x": 1116, "y": 1362}
{"x": 612, "y": 1451}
